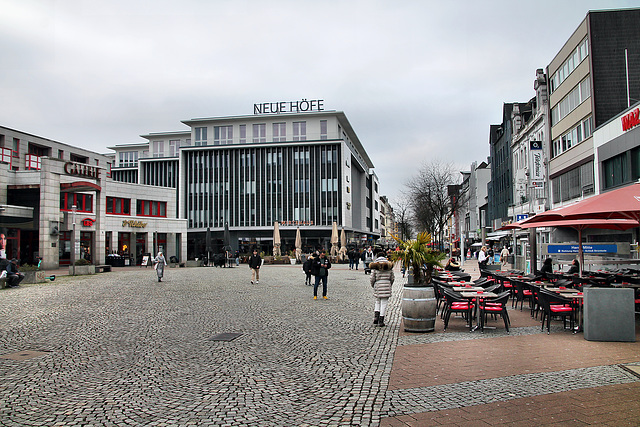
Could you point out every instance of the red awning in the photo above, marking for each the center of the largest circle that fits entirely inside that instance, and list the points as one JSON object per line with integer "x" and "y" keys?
{"x": 623, "y": 203}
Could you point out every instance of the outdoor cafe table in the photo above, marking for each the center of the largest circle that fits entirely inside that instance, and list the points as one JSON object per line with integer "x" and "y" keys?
{"x": 480, "y": 296}
{"x": 577, "y": 298}
{"x": 563, "y": 290}
{"x": 447, "y": 278}
{"x": 467, "y": 289}
{"x": 454, "y": 284}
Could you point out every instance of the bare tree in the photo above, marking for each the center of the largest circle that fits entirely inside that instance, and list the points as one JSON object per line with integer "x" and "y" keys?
{"x": 430, "y": 197}
{"x": 402, "y": 217}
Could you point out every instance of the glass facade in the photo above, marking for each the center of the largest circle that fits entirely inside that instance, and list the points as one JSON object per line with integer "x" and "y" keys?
{"x": 254, "y": 187}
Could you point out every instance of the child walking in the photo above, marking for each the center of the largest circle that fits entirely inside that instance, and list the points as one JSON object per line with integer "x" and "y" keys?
{"x": 381, "y": 281}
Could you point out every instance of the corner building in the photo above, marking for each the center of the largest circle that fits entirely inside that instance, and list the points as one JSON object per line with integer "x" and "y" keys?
{"x": 303, "y": 170}
{"x": 42, "y": 181}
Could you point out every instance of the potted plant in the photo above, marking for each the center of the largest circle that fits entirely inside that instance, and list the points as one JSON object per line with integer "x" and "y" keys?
{"x": 418, "y": 300}
{"x": 82, "y": 267}
{"x": 419, "y": 257}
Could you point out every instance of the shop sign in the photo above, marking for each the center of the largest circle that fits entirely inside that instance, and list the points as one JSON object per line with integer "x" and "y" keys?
{"x": 302, "y": 106}
{"x": 134, "y": 224}
{"x": 296, "y": 223}
{"x": 88, "y": 222}
{"x": 81, "y": 169}
{"x": 536, "y": 163}
{"x": 587, "y": 249}
{"x": 631, "y": 120}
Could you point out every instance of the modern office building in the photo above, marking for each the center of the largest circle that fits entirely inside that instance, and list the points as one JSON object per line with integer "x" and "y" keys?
{"x": 53, "y": 194}
{"x": 303, "y": 170}
{"x": 594, "y": 77}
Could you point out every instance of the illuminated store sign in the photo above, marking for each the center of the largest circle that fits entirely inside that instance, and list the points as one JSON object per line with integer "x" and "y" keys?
{"x": 631, "y": 120}
{"x": 134, "y": 224}
{"x": 302, "y": 106}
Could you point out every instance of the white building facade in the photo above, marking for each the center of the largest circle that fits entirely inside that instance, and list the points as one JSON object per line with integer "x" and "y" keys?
{"x": 303, "y": 170}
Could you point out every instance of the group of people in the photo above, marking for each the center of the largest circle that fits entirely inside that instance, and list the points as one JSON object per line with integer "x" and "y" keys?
{"x": 355, "y": 256}
{"x": 317, "y": 265}
{"x": 486, "y": 256}
{"x": 547, "y": 267}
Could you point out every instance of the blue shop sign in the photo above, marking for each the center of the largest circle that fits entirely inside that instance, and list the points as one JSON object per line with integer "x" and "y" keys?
{"x": 587, "y": 249}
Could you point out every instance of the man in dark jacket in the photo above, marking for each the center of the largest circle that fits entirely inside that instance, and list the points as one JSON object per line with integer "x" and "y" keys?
{"x": 14, "y": 277}
{"x": 254, "y": 264}
{"x": 320, "y": 269}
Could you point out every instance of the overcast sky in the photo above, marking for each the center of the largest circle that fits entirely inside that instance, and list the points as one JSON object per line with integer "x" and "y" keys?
{"x": 418, "y": 80}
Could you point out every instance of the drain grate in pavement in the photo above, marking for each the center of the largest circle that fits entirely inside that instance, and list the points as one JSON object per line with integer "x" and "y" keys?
{"x": 23, "y": 355}
{"x": 634, "y": 369}
{"x": 227, "y": 336}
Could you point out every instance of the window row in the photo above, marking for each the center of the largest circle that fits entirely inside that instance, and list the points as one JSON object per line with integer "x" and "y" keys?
{"x": 128, "y": 159}
{"x": 621, "y": 169}
{"x": 224, "y": 135}
{"x": 570, "y": 64}
{"x": 572, "y": 184}
{"x": 573, "y": 137}
{"x": 577, "y": 96}
{"x": 114, "y": 205}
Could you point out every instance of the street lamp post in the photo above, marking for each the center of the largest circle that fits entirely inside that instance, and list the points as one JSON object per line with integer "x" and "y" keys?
{"x": 74, "y": 209}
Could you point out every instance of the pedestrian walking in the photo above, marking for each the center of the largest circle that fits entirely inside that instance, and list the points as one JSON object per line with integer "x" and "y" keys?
{"x": 307, "y": 267}
{"x": 382, "y": 278}
{"x": 504, "y": 257}
{"x": 159, "y": 263}
{"x": 255, "y": 261}
{"x": 351, "y": 254}
{"x": 321, "y": 266}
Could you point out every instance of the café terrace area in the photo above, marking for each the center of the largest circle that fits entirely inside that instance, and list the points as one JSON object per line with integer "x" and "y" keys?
{"x": 510, "y": 349}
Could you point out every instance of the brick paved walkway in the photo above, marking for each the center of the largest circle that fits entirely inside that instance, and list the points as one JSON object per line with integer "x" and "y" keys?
{"x": 528, "y": 378}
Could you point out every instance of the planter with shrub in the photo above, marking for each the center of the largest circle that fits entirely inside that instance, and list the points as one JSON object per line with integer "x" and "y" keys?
{"x": 82, "y": 267}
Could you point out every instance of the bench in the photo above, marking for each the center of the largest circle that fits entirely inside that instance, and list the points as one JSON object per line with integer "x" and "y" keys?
{"x": 103, "y": 268}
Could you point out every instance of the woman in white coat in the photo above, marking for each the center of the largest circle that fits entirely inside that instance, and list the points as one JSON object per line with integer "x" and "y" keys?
{"x": 160, "y": 262}
{"x": 381, "y": 281}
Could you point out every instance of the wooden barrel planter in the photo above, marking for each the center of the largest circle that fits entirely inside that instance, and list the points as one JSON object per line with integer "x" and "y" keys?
{"x": 419, "y": 309}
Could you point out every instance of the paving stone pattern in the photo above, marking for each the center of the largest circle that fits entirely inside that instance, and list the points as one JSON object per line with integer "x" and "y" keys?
{"x": 123, "y": 349}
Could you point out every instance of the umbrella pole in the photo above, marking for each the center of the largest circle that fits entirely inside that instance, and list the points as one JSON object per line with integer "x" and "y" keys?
{"x": 580, "y": 252}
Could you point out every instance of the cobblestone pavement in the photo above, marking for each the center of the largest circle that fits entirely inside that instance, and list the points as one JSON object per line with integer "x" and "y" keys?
{"x": 122, "y": 349}
{"x": 119, "y": 349}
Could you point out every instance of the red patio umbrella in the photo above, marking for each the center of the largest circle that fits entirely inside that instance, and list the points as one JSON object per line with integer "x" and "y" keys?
{"x": 578, "y": 224}
{"x": 623, "y": 203}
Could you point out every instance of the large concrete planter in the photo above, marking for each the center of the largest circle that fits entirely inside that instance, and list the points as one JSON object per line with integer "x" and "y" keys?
{"x": 419, "y": 308}
{"x": 36, "y": 276}
{"x": 83, "y": 270}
